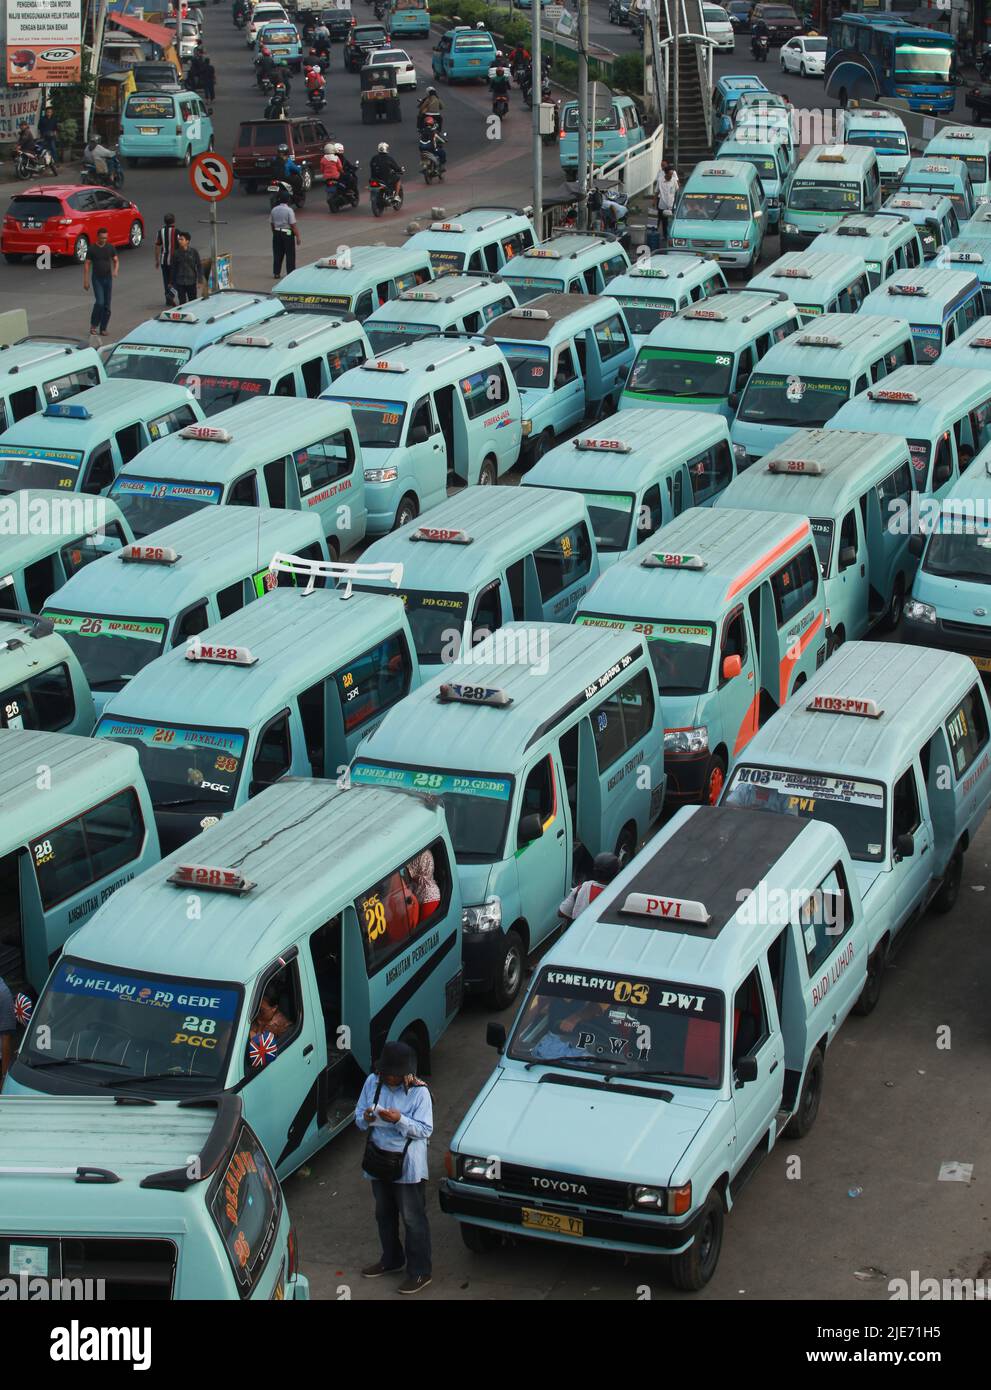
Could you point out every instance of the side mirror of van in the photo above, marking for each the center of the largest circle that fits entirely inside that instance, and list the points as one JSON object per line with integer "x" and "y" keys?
{"x": 916, "y": 545}
{"x": 495, "y": 1036}
{"x": 746, "y": 1070}
{"x": 531, "y": 828}
{"x": 419, "y": 434}
{"x": 733, "y": 400}
{"x": 732, "y": 666}
{"x": 904, "y": 846}
{"x": 848, "y": 556}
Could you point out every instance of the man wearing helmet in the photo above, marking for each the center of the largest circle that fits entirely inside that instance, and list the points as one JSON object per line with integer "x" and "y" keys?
{"x": 432, "y": 141}
{"x": 384, "y": 168}
{"x": 330, "y": 164}
{"x": 431, "y": 105}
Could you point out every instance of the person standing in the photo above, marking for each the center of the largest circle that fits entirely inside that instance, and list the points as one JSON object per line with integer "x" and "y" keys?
{"x": 48, "y": 131}
{"x": 396, "y": 1113}
{"x": 187, "y": 270}
{"x": 101, "y": 266}
{"x": 668, "y": 187}
{"x": 285, "y": 238}
{"x": 208, "y": 77}
{"x": 165, "y": 248}
{"x": 8, "y": 1028}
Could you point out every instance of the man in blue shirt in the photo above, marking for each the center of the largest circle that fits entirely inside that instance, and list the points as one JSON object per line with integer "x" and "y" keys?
{"x": 397, "y": 1107}
{"x": 8, "y": 1028}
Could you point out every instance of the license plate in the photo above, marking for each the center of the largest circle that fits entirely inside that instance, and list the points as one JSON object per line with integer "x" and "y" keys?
{"x": 31, "y": 224}
{"x": 147, "y": 130}
{"x": 554, "y": 1221}
{"x": 597, "y": 144}
{"x": 983, "y": 663}
{"x": 474, "y": 62}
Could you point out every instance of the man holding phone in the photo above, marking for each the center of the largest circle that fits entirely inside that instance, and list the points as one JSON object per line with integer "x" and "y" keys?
{"x": 396, "y": 1112}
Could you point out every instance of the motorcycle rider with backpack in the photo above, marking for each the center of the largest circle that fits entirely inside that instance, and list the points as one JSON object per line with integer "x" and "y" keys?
{"x": 432, "y": 144}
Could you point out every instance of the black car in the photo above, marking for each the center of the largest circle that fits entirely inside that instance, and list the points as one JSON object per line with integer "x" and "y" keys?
{"x": 619, "y": 11}
{"x": 152, "y": 76}
{"x": 781, "y": 20}
{"x": 338, "y": 22}
{"x": 362, "y": 39}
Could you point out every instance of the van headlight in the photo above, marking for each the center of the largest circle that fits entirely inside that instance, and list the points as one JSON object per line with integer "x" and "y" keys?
{"x": 737, "y": 245}
{"x": 687, "y": 740}
{"x": 476, "y": 1167}
{"x": 740, "y": 454}
{"x": 527, "y": 427}
{"x": 790, "y": 227}
{"x": 679, "y": 241}
{"x": 381, "y": 475}
{"x": 479, "y": 917}
{"x": 920, "y": 612}
{"x": 655, "y": 1197}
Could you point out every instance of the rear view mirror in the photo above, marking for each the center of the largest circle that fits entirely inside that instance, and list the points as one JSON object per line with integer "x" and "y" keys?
{"x": 733, "y": 399}
{"x": 746, "y": 1070}
{"x": 904, "y": 846}
{"x": 495, "y": 1036}
{"x": 732, "y": 666}
{"x": 419, "y": 434}
{"x": 848, "y": 556}
{"x": 531, "y": 828}
{"x": 916, "y": 545}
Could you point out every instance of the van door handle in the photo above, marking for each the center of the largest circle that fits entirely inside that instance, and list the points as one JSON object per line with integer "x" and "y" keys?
{"x": 560, "y": 834}
{"x": 773, "y": 1066}
{"x": 307, "y": 1049}
{"x": 923, "y": 850}
{"x": 863, "y": 570}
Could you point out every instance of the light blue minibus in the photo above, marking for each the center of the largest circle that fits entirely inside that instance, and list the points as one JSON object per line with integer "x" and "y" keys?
{"x": 159, "y": 348}
{"x": 888, "y": 242}
{"x": 354, "y": 281}
{"x": 818, "y": 282}
{"x": 165, "y": 125}
{"x": 42, "y": 685}
{"x": 937, "y": 303}
{"x": 455, "y": 305}
{"x": 36, "y": 371}
{"x": 658, "y": 286}
{"x": 475, "y": 241}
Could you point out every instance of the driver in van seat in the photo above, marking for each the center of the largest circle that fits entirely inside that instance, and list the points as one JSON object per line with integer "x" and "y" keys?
{"x": 605, "y": 867}
{"x": 270, "y": 1017}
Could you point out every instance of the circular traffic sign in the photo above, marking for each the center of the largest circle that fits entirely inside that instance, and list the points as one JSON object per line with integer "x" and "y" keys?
{"x": 211, "y": 176}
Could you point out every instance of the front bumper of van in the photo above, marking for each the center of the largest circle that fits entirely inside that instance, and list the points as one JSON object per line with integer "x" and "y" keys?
{"x": 685, "y": 774}
{"x": 972, "y": 640}
{"x": 481, "y": 952}
{"x": 604, "y": 1229}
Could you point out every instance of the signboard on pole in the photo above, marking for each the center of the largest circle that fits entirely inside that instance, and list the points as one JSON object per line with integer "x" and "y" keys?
{"x": 44, "y": 42}
{"x": 566, "y": 23}
{"x": 211, "y": 176}
{"x": 18, "y": 104}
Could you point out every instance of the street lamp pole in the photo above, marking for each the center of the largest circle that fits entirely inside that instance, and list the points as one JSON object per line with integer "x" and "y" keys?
{"x": 537, "y": 90}
{"x": 583, "y": 133}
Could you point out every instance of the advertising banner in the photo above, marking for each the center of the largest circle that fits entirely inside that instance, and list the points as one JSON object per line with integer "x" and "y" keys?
{"x": 44, "y": 42}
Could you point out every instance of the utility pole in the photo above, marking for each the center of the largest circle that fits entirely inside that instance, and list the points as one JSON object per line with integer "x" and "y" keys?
{"x": 537, "y": 94}
{"x": 676, "y": 80}
{"x": 584, "y": 138}
{"x": 99, "y": 25}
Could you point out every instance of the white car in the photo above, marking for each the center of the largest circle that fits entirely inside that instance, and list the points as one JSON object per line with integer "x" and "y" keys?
{"x": 263, "y": 14}
{"x": 718, "y": 27}
{"x": 805, "y": 56}
{"x": 396, "y": 58}
{"x": 188, "y": 39}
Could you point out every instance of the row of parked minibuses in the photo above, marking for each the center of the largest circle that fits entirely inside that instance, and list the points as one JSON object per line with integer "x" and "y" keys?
{"x": 714, "y": 638}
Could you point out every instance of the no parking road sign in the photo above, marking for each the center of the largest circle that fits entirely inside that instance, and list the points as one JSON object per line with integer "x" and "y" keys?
{"x": 211, "y": 176}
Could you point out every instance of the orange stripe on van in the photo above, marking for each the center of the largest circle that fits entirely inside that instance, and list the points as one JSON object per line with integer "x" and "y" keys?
{"x": 749, "y": 726}
{"x": 790, "y": 660}
{"x": 751, "y": 573}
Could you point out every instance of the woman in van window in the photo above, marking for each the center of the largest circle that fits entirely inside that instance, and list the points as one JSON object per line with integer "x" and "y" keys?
{"x": 421, "y": 871}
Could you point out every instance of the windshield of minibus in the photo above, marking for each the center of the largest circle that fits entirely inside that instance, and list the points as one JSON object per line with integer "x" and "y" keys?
{"x": 822, "y": 532}
{"x": 387, "y": 335}
{"x": 915, "y": 63}
{"x": 527, "y": 287}
{"x": 216, "y": 393}
{"x": 183, "y": 767}
{"x": 977, "y": 166}
{"x": 680, "y": 652}
{"x": 643, "y": 314}
{"x": 763, "y": 163}
{"x": 886, "y": 142}
{"x": 316, "y": 303}
{"x": 147, "y": 361}
{"x": 800, "y": 402}
{"x": 446, "y": 260}
{"x": 379, "y": 423}
{"x": 151, "y": 503}
{"x": 23, "y": 466}
{"x": 131, "y": 1028}
{"x": 476, "y": 805}
{"x": 436, "y": 619}
{"x": 110, "y": 650}
{"x": 808, "y": 195}
{"x": 610, "y": 514}
{"x": 674, "y": 372}
{"x": 855, "y": 808}
{"x": 954, "y": 553}
{"x": 714, "y": 207}
{"x": 530, "y": 364}
{"x": 600, "y": 1022}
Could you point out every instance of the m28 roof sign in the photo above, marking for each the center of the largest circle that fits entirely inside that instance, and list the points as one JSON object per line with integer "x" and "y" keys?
{"x": 44, "y": 42}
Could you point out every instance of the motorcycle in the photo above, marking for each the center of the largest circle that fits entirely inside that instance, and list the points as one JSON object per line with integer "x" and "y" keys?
{"x": 29, "y": 163}
{"x": 381, "y": 196}
{"x": 344, "y": 192}
{"x": 500, "y": 105}
{"x": 316, "y": 99}
{"x": 277, "y": 106}
{"x": 430, "y": 167}
{"x": 545, "y": 91}
{"x": 113, "y": 178}
{"x": 240, "y": 20}
{"x": 262, "y": 79}
{"x": 758, "y": 47}
{"x": 283, "y": 191}
{"x": 379, "y": 10}
{"x": 984, "y": 62}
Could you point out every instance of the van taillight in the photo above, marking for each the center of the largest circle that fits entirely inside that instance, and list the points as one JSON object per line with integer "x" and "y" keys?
{"x": 562, "y": 133}
{"x": 293, "y": 1253}
{"x": 622, "y": 130}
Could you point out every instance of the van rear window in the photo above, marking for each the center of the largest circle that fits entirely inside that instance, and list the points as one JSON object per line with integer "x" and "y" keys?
{"x": 246, "y": 1204}
{"x": 474, "y": 41}
{"x": 127, "y": 1267}
{"x": 604, "y": 120}
{"x": 263, "y": 133}
{"x": 148, "y": 108}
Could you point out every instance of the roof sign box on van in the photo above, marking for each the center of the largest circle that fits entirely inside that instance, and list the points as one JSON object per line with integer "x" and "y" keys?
{"x": 529, "y": 314}
{"x": 382, "y": 364}
{"x": 176, "y": 316}
{"x": 473, "y": 695}
{"x": 648, "y": 272}
{"x": 980, "y": 343}
{"x": 424, "y": 296}
{"x": 441, "y": 535}
{"x": 831, "y": 157}
{"x": 817, "y": 340}
{"x": 225, "y": 656}
{"x": 935, "y": 168}
{"x": 207, "y": 876}
{"x": 908, "y": 289}
{"x": 902, "y": 203}
{"x": 793, "y": 272}
{"x": 542, "y": 253}
{"x": 671, "y": 909}
{"x": 661, "y": 560}
{"x": 958, "y": 135}
{"x": 342, "y": 262}
{"x": 248, "y": 340}
{"x": 851, "y": 231}
{"x": 967, "y": 257}
{"x": 894, "y": 397}
{"x": 149, "y": 554}
{"x": 716, "y": 314}
{"x": 66, "y": 410}
{"x": 811, "y": 466}
{"x": 447, "y": 227}
{"x": 614, "y": 446}
{"x": 715, "y": 173}
{"x": 839, "y": 704}
{"x": 208, "y": 432}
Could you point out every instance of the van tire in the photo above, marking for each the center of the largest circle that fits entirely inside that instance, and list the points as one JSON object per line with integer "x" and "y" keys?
{"x": 694, "y": 1267}
{"x": 843, "y": 97}
{"x": 893, "y": 612}
{"x": 488, "y": 474}
{"x": 714, "y": 780}
{"x": 333, "y": 548}
{"x": 871, "y": 992}
{"x": 479, "y": 1239}
{"x": 949, "y": 890}
{"x": 508, "y": 975}
{"x": 407, "y": 511}
{"x": 626, "y": 845}
{"x": 808, "y": 1102}
{"x": 187, "y": 158}
{"x": 543, "y": 442}
{"x": 136, "y": 235}
{"x": 131, "y": 162}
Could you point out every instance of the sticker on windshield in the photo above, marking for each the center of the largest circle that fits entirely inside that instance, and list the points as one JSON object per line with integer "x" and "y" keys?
{"x": 81, "y": 625}
{"x": 154, "y": 734}
{"x": 157, "y": 994}
{"x": 438, "y": 783}
{"x": 150, "y": 350}
{"x": 208, "y": 493}
{"x": 795, "y": 389}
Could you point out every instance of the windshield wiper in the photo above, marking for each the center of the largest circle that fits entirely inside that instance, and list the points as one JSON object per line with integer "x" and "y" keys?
{"x": 655, "y": 1074}
{"x": 179, "y": 801}
{"x": 76, "y": 1062}
{"x": 152, "y": 1076}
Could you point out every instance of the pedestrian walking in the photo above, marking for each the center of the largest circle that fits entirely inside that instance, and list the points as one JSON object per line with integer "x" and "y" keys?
{"x": 8, "y": 1028}
{"x": 101, "y": 267}
{"x": 285, "y": 238}
{"x": 208, "y": 76}
{"x": 187, "y": 269}
{"x": 166, "y": 244}
{"x": 48, "y": 131}
{"x": 396, "y": 1112}
{"x": 668, "y": 187}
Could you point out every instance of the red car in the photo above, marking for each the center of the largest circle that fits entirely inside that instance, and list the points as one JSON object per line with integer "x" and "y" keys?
{"x": 66, "y": 218}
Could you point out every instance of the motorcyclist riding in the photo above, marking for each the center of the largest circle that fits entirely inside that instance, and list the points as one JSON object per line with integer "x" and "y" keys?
{"x": 288, "y": 170}
{"x": 330, "y": 164}
{"x": 759, "y": 32}
{"x": 432, "y": 141}
{"x": 315, "y": 80}
{"x": 500, "y": 81}
{"x": 384, "y": 169}
{"x": 321, "y": 40}
{"x": 97, "y": 156}
{"x": 431, "y": 105}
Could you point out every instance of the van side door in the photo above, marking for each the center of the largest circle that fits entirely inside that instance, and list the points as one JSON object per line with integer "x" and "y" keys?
{"x": 911, "y": 849}
{"x": 568, "y": 389}
{"x": 834, "y": 969}
{"x": 275, "y": 1083}
{"x": 566, "y": 567}
{"x": 543, "y": 862}
{"x": 756, "y": 1043}
{"x": 850, "y": 577}
{"x": 739, "y": 693}
{"x": 612, "y": 345}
